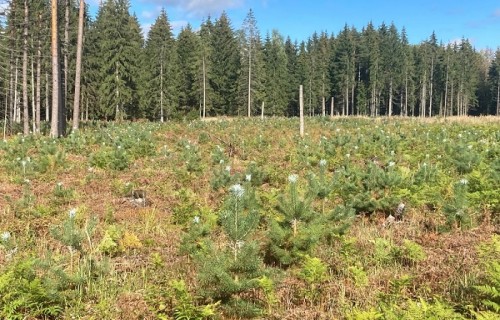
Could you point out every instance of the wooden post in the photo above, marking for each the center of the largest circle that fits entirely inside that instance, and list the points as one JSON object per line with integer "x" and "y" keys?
{"x": 332, "y": 103}
{"x": 262, "y": 111}
{"x": 301, "y": 110}
{"x": 323, "y": 108}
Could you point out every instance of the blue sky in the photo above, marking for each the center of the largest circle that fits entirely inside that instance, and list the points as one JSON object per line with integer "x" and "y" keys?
{"x": 478, "y": 21}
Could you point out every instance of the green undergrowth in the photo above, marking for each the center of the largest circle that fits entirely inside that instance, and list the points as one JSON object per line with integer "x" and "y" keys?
{"x": 243, "y": 218}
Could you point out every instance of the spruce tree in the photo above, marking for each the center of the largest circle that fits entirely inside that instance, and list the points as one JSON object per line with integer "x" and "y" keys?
{"x": 225, "y": 67}
{"x": 277, "y": 76}
{"x": 159, "y": 98}
{"x": 250, "y": 86}
{"x": 118, "y": 48}
{"x": 190, "y": 81}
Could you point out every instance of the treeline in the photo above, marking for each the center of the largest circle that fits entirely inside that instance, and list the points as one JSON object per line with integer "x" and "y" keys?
{"x": 220, "y": 70}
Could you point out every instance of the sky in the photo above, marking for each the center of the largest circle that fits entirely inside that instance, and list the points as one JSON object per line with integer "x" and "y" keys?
{"x": 451, "y": 20}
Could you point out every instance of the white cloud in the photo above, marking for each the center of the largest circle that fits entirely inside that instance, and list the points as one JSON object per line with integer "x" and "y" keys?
{"x": 199, "y": 8}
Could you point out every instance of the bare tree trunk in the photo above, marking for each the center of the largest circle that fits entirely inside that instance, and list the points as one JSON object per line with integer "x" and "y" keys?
{"x": 452, "y": 96}
{"x": 117, "y": 93}
{"x": 250, "y": 79}
{"x": 204, "y": 89}
{"x": 406, "y": 96}
{"x": 78, "y": 71}
{"x": 33, "y": 106}
{"x": 161, "y": 86}
{"x": 55, "y": 129}
{"x": 47, "y": 94}
{"x": 26, "y": 124}
{"x": 66, "y": 53}
{"x": 38, "y": 79}
{"x": 498, "y": 96}
{"x": 323, "y": 107}
{"x": 332, "y": 105}
{"x": 301, "y": 110}
{"x": 431, "y": 84}
{"x": 390, "y": 99}
{"x": 446, "y": 89}
{"x": 423, "y": 98}
{"x": 17, "y": 109}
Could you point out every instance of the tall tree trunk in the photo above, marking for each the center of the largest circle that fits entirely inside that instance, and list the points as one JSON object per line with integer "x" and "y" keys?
{"x": 423, "y": 97}
{"x": 301, "y": 110}
{"x": 204, "y": 89}
{"x": 26, "y": 124}
{"x": 117, "y": 93}
{"x": 78, "y": 71}
{"x": 498, "y": 96}
{"x": 323, "y": 107}
{"x": 33, "y": 104}
{"x": 47, "y": 95}
{"x": 38, "y": 78}
{"x": 66, "y": 54}
{"x": 56, "y": 126}
{"x": 161, "y": 86}
{"x": 390, "y": 99}
{"x": 332, "y": 103}
{"x": 17, "y": 108}
{"x": 446, "y": 88}
{"x": 249, "y": 111}
{"x": 431, "y": 85}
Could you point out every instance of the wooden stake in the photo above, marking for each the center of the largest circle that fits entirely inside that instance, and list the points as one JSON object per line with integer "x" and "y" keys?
{"x": 301, "y": 111}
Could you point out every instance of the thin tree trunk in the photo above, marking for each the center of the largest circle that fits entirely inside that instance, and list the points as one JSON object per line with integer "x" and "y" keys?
{"x": 332, "y": 104}
{"x": 423, "y": 98}
{"x": 117, "y": 93}
{"x": 17, "y": 109}
{"x": 452, "y": 96}
{"x": 26, "y": 124}
{"x": 431, "y": 84}
{"x": 262, "y": 110}
{"x": 55, "y": 130}
{"x": 38, "y": 79}
{"x": 204, "y": 90}
{"x": 249, "y": 78}
{"x": 301, "y": 110}
{"x": 390, "y": 99}
{"x": 323, "y": 107}
{"x": 47, "y": 94}
{"x": 406, "y": 95}
{"x": 33, "y": 104}
{"x": 78, "y": 71}
{"x": 446, "y": 88}
{"x": 161, "y": 86}
{"x": 66, "y": 52}
{"x": 498, "y": 96}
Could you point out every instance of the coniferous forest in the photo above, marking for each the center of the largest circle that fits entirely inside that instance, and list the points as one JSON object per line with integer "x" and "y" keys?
{"x": 212, "y": 71}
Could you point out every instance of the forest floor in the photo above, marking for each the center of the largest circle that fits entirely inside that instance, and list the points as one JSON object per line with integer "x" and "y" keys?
{"x": 96, "y": 220}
